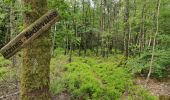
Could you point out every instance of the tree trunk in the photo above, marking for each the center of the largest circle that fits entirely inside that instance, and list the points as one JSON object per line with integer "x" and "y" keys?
{"x": 54, "y": 40}
{"x": 127, "y": 31}
{"x": 142, "y": 29}
{"x": 12, "y": 30}
{"x": 36, "y": 57}
{"x": 154, "y": 43}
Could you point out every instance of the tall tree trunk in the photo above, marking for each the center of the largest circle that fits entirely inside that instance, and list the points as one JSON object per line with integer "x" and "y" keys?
{"x": 127, "y": 30}
{"x": 142, "y": 29}
{"x": 154, "y": 42}
{"x": 12, "y": 30}
{"x": 36, "y": 57}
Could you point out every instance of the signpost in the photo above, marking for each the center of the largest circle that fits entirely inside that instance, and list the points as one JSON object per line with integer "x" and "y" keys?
{"x": 29, "y": 34}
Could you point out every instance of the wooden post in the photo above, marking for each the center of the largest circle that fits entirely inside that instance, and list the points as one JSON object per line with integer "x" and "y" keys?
{"x": 29, "y": 34}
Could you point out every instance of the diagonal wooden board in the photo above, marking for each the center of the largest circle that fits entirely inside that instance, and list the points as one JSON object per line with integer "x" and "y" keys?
{"x": 29, "y": 34}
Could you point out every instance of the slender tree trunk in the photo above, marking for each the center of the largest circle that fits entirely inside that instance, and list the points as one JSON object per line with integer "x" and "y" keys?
{"x": 127, "y": 30}
{"x": 71, "y": 49}
{"x": 12, "y": 30}
{"x": 154, "y": 42}
{"x": 36, "y": 57}
{"x": 53, "y": 40}
{"x": 142, "y": 39}
{"x": 66, "y": 40}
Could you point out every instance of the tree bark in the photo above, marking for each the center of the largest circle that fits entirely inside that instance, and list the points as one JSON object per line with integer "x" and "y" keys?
{"x": 36, "y": 57}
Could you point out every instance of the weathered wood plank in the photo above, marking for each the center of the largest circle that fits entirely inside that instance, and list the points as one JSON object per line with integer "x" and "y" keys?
{"x": 29, "y": 34}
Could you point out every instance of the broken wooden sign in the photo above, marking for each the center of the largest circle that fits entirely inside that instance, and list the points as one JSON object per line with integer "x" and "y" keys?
{"x": 29, "y": 34}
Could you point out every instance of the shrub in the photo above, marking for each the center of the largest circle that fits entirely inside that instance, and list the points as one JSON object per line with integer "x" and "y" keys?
{"x": 3, "y": 71}
{"x": 4, "y": 63}
{"x": 101, "y": 79}
{"x": 160, "y": 65}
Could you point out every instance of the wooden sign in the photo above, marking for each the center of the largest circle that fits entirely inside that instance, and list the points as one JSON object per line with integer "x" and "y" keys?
{"x": 29, "y": 34}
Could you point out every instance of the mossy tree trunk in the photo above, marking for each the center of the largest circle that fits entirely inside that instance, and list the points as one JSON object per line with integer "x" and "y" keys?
{"x": 36, "y": 57}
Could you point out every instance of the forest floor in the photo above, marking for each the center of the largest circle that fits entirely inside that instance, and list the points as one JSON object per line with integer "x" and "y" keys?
{"x": 9, "y": 87}
{"x": 155, "y": 87}
{"x": 10, "y": 91}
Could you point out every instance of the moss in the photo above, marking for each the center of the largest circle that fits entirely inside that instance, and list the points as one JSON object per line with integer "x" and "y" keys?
{"x": 36, "y": 59}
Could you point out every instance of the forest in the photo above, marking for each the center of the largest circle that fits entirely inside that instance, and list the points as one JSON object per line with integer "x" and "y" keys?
{"x": 84, "y": 50}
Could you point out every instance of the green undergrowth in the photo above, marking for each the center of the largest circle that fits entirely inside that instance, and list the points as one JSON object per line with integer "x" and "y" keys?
{"x": 3, "y": 66}
{"x": 4, "y": 62}
{"x": 160, "y": 70}
{"x": 94, "y": 78}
